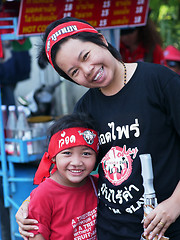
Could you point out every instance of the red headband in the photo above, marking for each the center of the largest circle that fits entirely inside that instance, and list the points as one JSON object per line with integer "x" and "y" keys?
{"x": 64, "y": 30}
{"x": 62, "y": 140}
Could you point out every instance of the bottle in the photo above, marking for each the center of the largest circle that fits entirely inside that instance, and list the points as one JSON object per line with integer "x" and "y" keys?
{"x": 10, "y": 147}
{"x": 4, "y": 115}
{"x": 150, "y": 200}
{"x": 23, "y": 130}
{"x": 4, "y": 119}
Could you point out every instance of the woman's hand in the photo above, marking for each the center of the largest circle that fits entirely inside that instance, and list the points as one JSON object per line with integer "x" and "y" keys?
{"x": 161, "y": 218}
{"x": 25, "y": 224}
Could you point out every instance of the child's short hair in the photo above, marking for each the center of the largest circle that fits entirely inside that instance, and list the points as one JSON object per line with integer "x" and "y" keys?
{"x": 70, "y": 121}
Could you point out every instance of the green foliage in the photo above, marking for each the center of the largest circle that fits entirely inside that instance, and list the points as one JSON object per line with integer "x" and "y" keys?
{"x": 166, "y": 15}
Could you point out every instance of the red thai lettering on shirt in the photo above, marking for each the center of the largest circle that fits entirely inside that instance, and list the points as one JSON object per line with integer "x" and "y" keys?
{"x": 117, "y": 164}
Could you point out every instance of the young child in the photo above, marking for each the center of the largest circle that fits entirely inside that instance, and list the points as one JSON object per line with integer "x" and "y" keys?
{"x": 65, "y": 203}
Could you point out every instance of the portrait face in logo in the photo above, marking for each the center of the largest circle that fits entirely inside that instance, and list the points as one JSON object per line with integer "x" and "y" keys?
{"x": 117, "y": 165}
{"x": 88, "y": 136}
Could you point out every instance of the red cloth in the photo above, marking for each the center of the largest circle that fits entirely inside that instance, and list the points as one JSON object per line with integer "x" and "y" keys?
{"x": 1, "y": 48}
{"x": 64, "y": 30}
{"x": 140, "y": 53}
{"x": 172, "y": 54}
{"x": 64, "y": 213}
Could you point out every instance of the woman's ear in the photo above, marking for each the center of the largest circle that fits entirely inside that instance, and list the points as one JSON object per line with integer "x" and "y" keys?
{"x": 103, "y": 39}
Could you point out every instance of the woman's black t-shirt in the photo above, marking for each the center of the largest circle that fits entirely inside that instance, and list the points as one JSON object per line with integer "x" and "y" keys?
{"x": 143, "y": 117}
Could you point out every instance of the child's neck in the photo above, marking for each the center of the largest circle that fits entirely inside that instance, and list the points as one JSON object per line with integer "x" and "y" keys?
{"x": 65, "y": 182}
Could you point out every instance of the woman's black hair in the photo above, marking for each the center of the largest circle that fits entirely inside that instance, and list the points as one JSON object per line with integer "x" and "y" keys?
{"x": 83, "y": 36}
{"x": 148, "y": 35}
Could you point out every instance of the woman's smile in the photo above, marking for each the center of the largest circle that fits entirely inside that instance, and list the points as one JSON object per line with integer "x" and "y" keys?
{"x": 99, "y": 74}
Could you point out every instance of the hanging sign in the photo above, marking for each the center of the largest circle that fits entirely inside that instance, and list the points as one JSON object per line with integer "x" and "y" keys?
{"x": 36, "y": 15}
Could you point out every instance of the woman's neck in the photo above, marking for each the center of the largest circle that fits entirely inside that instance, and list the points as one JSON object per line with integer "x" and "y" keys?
{"x": 117, "y": 82}
{"x": 119, "y": 79}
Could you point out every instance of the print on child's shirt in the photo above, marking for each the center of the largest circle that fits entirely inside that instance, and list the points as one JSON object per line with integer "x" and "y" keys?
{"x": 85, "y": 226}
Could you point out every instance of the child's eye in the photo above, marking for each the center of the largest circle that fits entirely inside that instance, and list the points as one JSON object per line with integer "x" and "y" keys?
{"x": 86, "y": 153}
{"x": 85, "y": 56}
{"x": 66, "y": 152}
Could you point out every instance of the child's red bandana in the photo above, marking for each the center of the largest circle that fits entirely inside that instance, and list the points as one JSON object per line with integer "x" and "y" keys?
{"x": 62, "y": 140}
{"x": 65, "y": 30}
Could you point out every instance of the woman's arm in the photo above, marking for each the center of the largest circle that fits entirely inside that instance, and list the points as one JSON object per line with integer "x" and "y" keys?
{"x": 25, "y": 224}
{"x": 37, "y": 237}
{"x": 163, "y": 215}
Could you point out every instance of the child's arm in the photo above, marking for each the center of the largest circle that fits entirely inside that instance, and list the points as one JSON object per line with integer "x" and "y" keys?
{"x": 37, "y": 237}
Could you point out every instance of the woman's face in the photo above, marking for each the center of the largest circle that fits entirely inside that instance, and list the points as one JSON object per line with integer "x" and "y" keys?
{"x": 86, "y": 63}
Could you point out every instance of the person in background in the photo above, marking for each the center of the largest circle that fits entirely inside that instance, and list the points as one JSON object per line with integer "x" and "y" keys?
{"x": 142, "y": 44}
{"x": 14, "y": 67}
{"x": 136, "y": 109}
{"x": 172, "y": 58}
{"x": 65, "y": 203}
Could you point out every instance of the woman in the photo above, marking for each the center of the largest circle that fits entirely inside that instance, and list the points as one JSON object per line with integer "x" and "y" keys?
{"x": 136, "y": 107}
{"x": 142, "y": 44}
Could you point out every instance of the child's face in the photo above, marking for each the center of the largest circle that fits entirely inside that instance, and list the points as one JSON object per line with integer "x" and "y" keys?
{"x": 74, "y": 165}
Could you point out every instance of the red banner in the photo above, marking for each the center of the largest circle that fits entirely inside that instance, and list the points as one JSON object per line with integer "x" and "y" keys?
{"x": 36, "y": 15}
